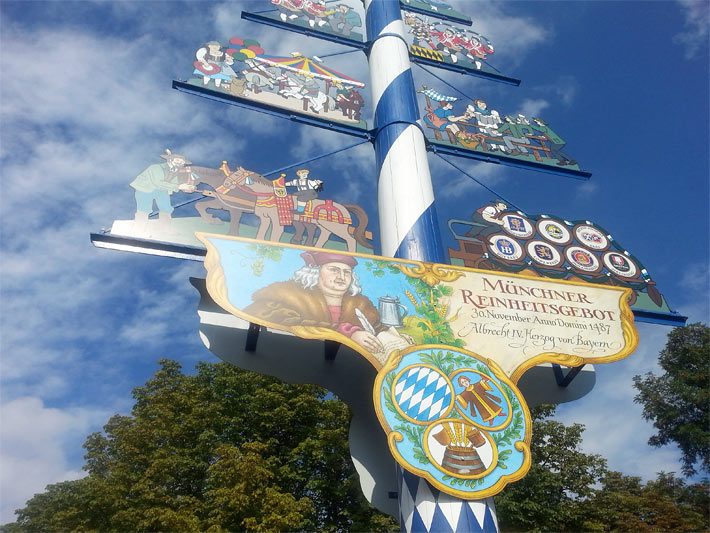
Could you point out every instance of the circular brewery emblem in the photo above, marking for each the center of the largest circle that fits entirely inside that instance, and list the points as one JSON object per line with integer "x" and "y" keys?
{"x": 544, "y": 254}
{"x": 620, "y": 265}
{"x": 554, "y": 231}
{"x": 591, "y": 237}
{"x": 505, "y": 247}
{"x": 582, "y": 259}
{"x": 518, "y": 226}
{"x": 422, "y": 394}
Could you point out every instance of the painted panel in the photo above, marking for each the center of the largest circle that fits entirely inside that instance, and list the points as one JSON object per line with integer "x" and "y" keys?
{"x": 444, "y": 44}
{"x": 243, "y": 71}
{"x": 342, "y": 19}
{"x": 175, "y": 198}
{"x": 478, "y": 128}
{"x": 452, "y": 415}
{"x": 497, "y": 238}
{"x": 518, "y": 321}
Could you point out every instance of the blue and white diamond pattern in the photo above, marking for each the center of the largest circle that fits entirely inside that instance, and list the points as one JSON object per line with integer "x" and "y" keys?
{"x": 424, "y": 509}
{"x": 423, "y": 394}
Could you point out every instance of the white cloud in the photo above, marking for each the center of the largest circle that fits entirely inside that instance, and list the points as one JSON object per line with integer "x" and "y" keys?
{"x": 696, "y": 278}
{"x": 36, "y": 442}
{"x": 450, "y": 183}
{"x": 533, "y": 107}
{"x": 586, "y": 189}
{"x": 563, "y": 90}
{"x": 513, "y": 36}
{"x": 697, "y": 22}
{"x": 614, "y": 424}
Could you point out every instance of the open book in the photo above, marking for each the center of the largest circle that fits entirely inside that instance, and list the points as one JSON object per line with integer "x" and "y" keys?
{"x": 391, "y": 340}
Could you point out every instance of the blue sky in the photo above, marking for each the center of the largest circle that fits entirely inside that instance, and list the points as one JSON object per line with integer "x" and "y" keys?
{"x": 86, "y": 104}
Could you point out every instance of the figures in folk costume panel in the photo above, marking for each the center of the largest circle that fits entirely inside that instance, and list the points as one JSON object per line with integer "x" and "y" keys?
{"x": 481, "y": 128}
{"x": 295, "y": 82}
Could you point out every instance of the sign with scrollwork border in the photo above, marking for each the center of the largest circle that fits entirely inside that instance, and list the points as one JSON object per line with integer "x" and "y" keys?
{"x": 450, "y": 343}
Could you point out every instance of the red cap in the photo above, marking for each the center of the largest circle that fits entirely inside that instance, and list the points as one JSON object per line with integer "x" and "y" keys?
{"x": 321, "y": 258}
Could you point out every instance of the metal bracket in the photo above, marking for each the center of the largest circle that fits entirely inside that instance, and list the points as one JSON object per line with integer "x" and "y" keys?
{"x": 252, "y": 337}
{"x": 330, "y": 349}
{"x": 562, "y": 379}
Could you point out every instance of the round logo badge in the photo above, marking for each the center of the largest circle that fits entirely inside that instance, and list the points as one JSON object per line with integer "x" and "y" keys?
{"x": 422, "y": 393}
{"x": 518, "y": 226}
{"x": 582, "y": 259}
{"x": 505, "y": 247}
{"x": 591, "y": 237}
{"x": 544, "y": 254}
{"x": 620, "y": 265}
{"x": 554, "y": 231}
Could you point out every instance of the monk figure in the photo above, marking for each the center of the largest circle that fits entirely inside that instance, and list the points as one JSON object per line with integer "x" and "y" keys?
{"x": 478, "y": 400}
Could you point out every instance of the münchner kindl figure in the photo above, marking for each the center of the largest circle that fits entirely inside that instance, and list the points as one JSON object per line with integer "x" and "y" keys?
{"x": 479, "y": 400}
{"x": 326, "y": 293}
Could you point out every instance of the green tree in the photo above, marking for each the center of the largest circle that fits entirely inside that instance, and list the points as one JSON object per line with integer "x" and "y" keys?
{"x": 561, "y": 479}
{"x": 567, "y": 490}
{"x": 678, "y": 402}
{"x": 222, "y": 450}
{"x": 623, "y": 503}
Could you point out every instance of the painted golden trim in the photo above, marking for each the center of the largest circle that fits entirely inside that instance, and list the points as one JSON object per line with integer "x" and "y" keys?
{"x": 431, "y": 273}
{"x": 216, "y": 285}
{"x": 394, "y": 436}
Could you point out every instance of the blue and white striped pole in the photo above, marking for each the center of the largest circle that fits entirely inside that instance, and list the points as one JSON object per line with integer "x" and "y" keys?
{"x": 409, "y": 229}
{"x": 408, "y": 223}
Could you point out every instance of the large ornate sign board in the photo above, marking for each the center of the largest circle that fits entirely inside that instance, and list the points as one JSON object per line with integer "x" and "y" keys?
{"x": 176, "y": 198}
{"x": 501, "y": 239}
{"x": 477, "y": 130}
{"x": 449, "y": 342}
{"x": 240, "y": 71}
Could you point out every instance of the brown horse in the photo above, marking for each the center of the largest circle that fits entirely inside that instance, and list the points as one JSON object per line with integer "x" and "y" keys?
{"x": 275, "y": 211}
{"x": 224, "y": 195}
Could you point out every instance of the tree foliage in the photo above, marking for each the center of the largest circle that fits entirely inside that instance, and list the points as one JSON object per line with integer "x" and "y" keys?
{"x": 222, "y": 450}
{"x": 678, "y": 402}
{"x": 229, "y": 450}
{"x": 567, "y": 490}
{"x": 561, "y": 479}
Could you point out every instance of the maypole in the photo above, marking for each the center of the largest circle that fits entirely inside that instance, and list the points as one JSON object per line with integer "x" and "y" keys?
{"x": 408, "y": 222}
{"x": 437, "y": 342}
{"x": 409, "y": 229}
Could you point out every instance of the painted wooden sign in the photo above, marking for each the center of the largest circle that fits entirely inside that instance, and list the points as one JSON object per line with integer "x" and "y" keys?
{"x": 497, "y": 238}
{"x": 242, "y": 70}
{"x": 482, "y": 132}
{"x": 449, "y": 343}
{"x": 341, "y": 21}
{"x": 447, "y": 44}
{"x": 176, "y": 198}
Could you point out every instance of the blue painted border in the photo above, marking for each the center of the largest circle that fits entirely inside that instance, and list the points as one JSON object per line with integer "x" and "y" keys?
{"x": 433, "y": 14}
{"x": 445, "y": 149}
{"x": 466, "y": 71}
